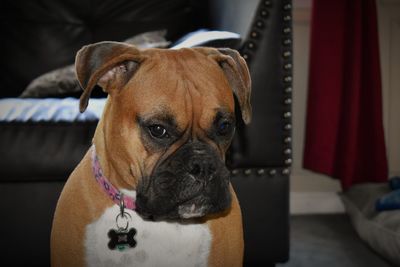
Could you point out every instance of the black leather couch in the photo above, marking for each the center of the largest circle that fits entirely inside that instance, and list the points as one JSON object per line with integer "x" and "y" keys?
{"x": 38, "y": 156}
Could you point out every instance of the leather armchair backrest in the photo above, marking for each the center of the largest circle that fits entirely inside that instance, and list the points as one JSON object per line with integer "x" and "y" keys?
{"x": 41, "y": 35}
{"x": 267, "y": 48}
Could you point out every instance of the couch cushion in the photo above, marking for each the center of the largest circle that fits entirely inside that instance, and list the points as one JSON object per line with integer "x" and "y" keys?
{"x": 50, "y": 110}
{"x": 62, "y": 82}
{"x": 43, "y": 140}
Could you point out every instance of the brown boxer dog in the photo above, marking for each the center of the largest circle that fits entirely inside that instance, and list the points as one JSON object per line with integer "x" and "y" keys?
{"x": 153, "y": 190}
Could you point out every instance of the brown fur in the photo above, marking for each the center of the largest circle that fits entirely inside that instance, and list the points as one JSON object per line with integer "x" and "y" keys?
{"x": 192, "y": 85}
{"x": 227, "y": 244}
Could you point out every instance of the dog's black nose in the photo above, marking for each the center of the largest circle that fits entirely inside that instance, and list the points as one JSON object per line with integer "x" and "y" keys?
{"x": 195, "y": 170}
{"x": 202, "y": 168}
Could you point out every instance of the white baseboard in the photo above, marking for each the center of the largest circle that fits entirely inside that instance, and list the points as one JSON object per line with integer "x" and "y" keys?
{"x": 315, "y": 203}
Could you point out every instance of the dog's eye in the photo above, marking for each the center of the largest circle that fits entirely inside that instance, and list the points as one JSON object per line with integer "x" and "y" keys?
{"x": 158, "y": 131}
{"x": 224, "y": 128}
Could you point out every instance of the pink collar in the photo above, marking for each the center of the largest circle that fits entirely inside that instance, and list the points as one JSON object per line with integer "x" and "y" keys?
{"x": 107, "y": 187}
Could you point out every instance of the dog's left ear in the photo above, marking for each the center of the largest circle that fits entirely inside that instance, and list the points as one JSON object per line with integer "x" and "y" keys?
{"x": 107, "y": 64}
{"x": 237, "y": 73}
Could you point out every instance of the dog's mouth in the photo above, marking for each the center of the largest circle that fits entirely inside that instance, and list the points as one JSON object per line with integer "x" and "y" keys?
{"x": 167, "y": 209}
{"x": 194, "y": 208}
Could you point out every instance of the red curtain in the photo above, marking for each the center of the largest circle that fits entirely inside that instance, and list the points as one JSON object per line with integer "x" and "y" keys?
{"x": 344, "y": 129}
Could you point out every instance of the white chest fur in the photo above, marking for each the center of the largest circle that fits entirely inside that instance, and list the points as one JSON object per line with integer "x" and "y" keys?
{"x": 158, "y": 243}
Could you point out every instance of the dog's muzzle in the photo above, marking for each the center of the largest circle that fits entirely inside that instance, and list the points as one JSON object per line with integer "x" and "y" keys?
{"x": 192, "y": 182}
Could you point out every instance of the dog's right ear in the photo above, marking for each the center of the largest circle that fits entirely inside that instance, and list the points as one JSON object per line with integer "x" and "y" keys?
{"x": 237, "y": 73}
{"x": 107, "y": 64}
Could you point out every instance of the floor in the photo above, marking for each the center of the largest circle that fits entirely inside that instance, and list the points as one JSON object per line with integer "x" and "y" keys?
{"x": 328, "y": 241}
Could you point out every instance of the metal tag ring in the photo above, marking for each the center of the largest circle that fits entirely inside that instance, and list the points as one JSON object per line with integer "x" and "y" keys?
{"x": 123, "y": 217}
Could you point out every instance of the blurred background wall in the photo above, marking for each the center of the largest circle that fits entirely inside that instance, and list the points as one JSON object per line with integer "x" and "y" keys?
{"x": 315, "y": 193}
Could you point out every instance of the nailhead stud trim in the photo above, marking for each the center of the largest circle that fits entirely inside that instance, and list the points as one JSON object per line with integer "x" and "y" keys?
{"x": 267, "y": 3}
{"x": 288, "y": 127}
{"x": 260, "y": 24}
{"x": 288, "y": 161}
{"x": 287, "y": 30}
{"x": 287, "y": 18}
{"x": 287, "y": 151}
{"x": 287, "y": 115}
{"x": 287, "y": 66}
{"x": 287, "y": 42}
{"x": 288, "y": 90}
{"x": 288, "y": 101}
{"x": 287, "y": 79}
{"x": 287, "y": 7}
{"x": 287, "y": 54}
{"x": 287, "y": 140}
{"x": 264, "y": 13}
{"x": 247, "y": 51}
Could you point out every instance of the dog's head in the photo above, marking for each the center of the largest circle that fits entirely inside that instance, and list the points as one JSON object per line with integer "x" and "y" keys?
{"x": 168, "y": 121}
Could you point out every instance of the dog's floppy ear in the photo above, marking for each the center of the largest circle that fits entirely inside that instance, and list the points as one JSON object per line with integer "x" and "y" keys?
{"x": 238, "y": 76}
{"x": 107, "y": 64}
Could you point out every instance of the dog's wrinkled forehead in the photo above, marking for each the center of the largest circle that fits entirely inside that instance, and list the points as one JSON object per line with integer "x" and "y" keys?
{"x": 187, "y": 85}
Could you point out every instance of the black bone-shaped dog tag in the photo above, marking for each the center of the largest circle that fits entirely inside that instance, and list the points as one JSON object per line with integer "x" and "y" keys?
{"x": 121, "y": 239}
